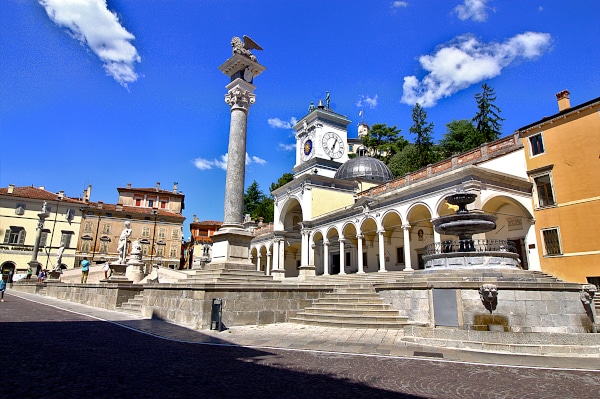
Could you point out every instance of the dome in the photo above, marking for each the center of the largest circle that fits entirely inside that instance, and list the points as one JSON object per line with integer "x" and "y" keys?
{"x": 366, "y": 168}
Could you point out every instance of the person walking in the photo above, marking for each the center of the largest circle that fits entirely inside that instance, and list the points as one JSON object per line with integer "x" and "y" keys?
{"x": 85, "y": 270}
{"x": 3, "y": 286}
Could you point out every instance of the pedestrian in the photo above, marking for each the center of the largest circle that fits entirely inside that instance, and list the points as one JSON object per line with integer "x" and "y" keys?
{"x": 3, "y": 286}
{"x": 29, "y": 272}
{"x": 10, "y": 278}
{"x": 85, "y": 270}
{"x": 106, "y": 269}
{"x": 42, "y": 276}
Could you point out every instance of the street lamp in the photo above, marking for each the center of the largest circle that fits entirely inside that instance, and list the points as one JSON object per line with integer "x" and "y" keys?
{"x": 155, "y": 213}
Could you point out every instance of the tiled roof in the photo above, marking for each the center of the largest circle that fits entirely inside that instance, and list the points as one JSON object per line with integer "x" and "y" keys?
{"x": 152, "y": 190}
{"x": 39, "y": 194}
{"x": 206, "y": 223}
{"x": 135, "y": 210}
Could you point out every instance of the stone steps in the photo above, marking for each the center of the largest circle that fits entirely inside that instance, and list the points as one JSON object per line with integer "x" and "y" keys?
{"x": 212, "y": 276}
{"x": 352, "y": 307}
{"x": 133, "y": 305}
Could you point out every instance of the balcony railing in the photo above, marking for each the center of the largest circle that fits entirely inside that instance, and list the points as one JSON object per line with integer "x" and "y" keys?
{"x": 469, "y": 246}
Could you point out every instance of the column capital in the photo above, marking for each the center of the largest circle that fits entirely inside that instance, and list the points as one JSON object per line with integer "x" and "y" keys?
{"x": 406, "y": 226}
{"x": 240, "y": 98}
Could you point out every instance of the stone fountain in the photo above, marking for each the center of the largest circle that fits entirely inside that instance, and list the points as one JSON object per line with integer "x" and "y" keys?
{"x": 466, "y": 252}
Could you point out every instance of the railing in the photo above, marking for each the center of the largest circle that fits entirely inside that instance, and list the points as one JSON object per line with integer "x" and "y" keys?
{"x": 469, "y": 246}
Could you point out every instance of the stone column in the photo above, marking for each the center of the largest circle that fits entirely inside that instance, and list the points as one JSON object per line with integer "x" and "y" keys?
{"x": 361, "y": 268}
{"x": 304, "y": 247}
{"x": 381, "y": 251}
{"x": 231, "y": 243}
{"x": 258, "y": 261}
{"x": 33, "y": 263}
{"x": 342, "y": 256}
{"x": 407, "y": 260}
{"x": 325, "y": 257}
{"x": 268, "y": 270}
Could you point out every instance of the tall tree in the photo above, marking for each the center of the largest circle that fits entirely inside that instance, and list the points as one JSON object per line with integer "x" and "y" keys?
{"x": 487, "y": 120}
{"x": 423, "y": 141}
{"x": 405, "y": 161}
{"x": 460, "y": 136}
{"x": 383, "y": 141}
{"x": 283, "y": 180}
{"x": 252, "y": 199}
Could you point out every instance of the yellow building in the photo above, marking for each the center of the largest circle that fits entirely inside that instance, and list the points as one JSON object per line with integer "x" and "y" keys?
{"x": 563, "y": 162}
{"x": 20, "y": 208}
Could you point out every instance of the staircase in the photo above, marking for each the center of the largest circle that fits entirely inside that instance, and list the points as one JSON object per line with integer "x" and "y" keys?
{"x": 212, "y": 276}
{"x": 133, "y": 305}
{"x": 356, "y": 306}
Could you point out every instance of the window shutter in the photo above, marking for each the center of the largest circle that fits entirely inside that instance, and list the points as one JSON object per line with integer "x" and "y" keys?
{"x": 6, "y": 236}
{"x": 22, "y": 237}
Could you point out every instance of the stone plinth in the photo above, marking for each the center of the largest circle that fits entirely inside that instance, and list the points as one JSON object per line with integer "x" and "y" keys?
{"x": 231, "y": 250}
{"x": 118, "y": 274}
{"x": 473, "y": 260}
{"x": 135, "y": 271}
{"x": 278, "y": 274}
{"x": 306, "y": 271}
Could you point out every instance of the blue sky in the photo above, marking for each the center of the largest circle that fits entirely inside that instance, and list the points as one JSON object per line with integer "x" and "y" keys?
{"x": 110, "y": 92}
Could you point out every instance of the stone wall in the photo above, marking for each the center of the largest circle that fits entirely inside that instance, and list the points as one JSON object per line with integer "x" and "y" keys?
{"x": 191, "y": 307}
{"x": 517, "y": 310}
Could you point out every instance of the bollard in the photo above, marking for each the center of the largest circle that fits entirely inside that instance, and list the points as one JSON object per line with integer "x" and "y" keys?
{"x": 216, "y": 314}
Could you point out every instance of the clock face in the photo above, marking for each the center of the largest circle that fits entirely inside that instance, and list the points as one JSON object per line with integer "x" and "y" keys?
{"x": 333, "y": 145}
{"x": 307, "y": 149}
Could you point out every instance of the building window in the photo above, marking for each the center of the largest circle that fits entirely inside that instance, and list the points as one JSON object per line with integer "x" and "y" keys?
{"x": 544, "y": 189}
{"x": 106, "y": 228}
{"x": 537, "y": 144}
{"x": 173, "y": 252}
{"x": 163, "y": 204}
{"x": 86, "y": 245}
{"x": 145, "y": 231}
{"x": 150, "y": 203}
{"x": 104, "y": 247}
{"x": 551, "y": 241}
{"x": 160, "y": 250}
{"x": 175, "y": 233}
{"x": 15, "y": 235}
{"x": 88, "y": 227}
{"x": 162, "y": 232}
{"x": 66, "y": 238}
{"x": 138, "y": 202}
{"x": 145, "y": 248}
{"x": 44, "y": 237}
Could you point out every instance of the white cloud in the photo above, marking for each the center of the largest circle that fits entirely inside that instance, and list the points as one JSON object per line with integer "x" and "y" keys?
{"x": 367, "y": 101}
{"x": 221, "y": 163}
{"x": 281, "y": 124}
{"x": 90, "y": 22}
{"x": 287, "y": 147}
{"x": 466, "y": 61}
{"x": 399, "y": 4}
{"x": 472, "y": 9}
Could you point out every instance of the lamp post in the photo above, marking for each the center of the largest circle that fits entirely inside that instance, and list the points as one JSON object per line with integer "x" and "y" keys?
{"x": 155, "y": 212}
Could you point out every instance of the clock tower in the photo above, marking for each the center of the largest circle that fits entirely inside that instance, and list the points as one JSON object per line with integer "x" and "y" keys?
{"x": 321, "y": 142}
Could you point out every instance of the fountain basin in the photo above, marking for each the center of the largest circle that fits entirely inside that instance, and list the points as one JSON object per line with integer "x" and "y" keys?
{"x": 465, "y": 225}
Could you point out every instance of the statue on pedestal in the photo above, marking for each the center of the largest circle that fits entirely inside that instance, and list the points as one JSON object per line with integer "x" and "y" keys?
{"x": 59, "y": 255}
{"x": 243, "y": 48}
{"x": 122, "y": 248}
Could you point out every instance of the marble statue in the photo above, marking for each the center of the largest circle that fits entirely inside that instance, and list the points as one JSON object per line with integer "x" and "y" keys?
{"x": 243, "y": 48}
{"x": 122, "y": 247}
{"x": 59, "y": 255}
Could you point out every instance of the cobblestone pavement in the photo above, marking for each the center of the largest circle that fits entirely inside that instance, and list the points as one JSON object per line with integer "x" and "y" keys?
{"x": 68, "y": 350}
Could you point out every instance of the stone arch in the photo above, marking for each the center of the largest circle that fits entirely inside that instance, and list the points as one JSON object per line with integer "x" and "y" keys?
{"x": 391, "y": 222}
{"x": 421, "y": 232}
{"x": 291, "y": 214}
{"x": 514, "y": 224}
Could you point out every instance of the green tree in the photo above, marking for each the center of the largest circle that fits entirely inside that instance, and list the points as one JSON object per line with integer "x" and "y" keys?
{"x": 404, "y": 161}
{"x": 423, "y": 141}
{"x": 487, "y": 120}
{"x": 460, "y": 136}
{"x": 252, "y": 199}
{"x": 283, "y": 180}
{"x": 383, "y": 141}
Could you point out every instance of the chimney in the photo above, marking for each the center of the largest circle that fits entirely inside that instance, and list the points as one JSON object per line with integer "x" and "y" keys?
{"x": 157, "y": 185}
{"x": 100, "y": 203}
{"x": 563, "y": 100}
{"x": 175, "y": 187}
{"x": 42, "y": 188}
{"x": 128, "y": 185}
{"x": 119, "y": 207}
{"x": 11, "y": 188}
{"x": 195, "y": 219}
{"x": 61, "y": 195}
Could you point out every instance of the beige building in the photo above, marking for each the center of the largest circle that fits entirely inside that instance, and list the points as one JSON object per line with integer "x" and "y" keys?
{"x": 156, "y": 222}
{"x": 563, "y": 162}
{"x": 20, "y": 210}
